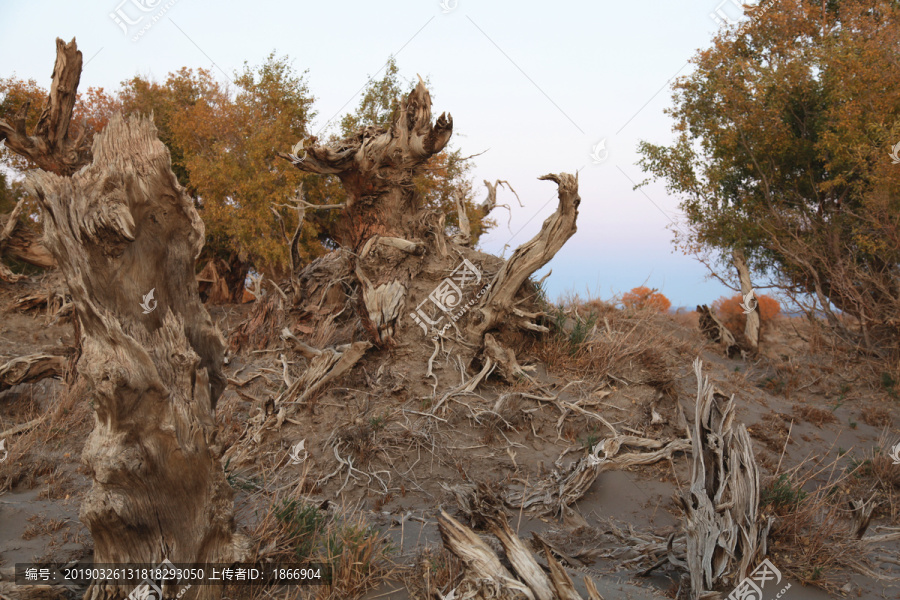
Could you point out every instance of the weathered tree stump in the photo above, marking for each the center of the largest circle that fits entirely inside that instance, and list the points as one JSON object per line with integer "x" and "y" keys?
{"x": 725, "y": 531}
{"x": 126, "y": 238}
{"x": 406, "y": 280}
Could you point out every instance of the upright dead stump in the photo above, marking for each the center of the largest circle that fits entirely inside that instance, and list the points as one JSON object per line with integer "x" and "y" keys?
{"x": 724, "y": 530}
{"x": 126, "y": 238}
{"x": 409, "y": 281}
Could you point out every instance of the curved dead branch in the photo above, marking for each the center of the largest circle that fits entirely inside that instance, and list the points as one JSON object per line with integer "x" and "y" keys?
{"x": 50, "y": 146}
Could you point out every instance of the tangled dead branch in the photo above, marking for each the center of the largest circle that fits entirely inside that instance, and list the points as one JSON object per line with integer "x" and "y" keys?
{"x": 566, "y": 485}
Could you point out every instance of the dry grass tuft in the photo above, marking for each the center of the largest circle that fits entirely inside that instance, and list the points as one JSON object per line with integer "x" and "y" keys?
{"x": 436, "y": 572}
{"x": 876, "y": 476}
{"x": 597, "y": 342}
{"x": 38, "y": 452}
{"x": 877, "y": 417}
{"x": 811, "y": 536}
{"x": 354, "y": 556}
{"x": 816, "y": 416}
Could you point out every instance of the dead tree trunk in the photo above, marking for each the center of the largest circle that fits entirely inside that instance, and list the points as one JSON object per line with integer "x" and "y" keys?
{"x": 725, "y": 532}
{"x": 751, "y": 328}
{"x": 126, "y": 238}
{"x": 404, "y": 275}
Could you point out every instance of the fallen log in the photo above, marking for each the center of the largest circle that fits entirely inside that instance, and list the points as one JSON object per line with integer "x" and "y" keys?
{"x": 486, "y": 577}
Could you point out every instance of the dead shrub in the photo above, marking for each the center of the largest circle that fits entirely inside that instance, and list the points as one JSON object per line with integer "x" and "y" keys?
{"x": 876, "y": 476}
{"x": 436, "y": 572}
{"x": 354, "y": 556}
{"x": 877, "y": 417}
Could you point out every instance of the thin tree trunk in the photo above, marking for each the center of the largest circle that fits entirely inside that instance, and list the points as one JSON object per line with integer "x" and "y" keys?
{"x": 751, "y": 329}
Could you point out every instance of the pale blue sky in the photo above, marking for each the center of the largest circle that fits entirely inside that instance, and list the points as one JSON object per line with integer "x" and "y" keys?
{"x": 535, "y": 84}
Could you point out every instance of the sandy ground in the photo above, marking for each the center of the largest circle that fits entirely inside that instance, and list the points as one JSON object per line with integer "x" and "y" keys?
{"x": 802, "y": 404}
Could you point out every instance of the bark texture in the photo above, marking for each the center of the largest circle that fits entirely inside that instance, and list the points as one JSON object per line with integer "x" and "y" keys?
{"x": 751, "y": 329}
{"x": 119, "y": 230}
{"x": 724, "y": 529}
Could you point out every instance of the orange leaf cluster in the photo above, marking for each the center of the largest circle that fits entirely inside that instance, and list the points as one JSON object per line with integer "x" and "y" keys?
{"x": 732, "y": 315}
{"x": 644, "y": 297}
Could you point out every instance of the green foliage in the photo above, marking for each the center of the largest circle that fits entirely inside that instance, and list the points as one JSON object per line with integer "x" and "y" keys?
{"x": 304, "y": 524}
{"x": 589, "y": 440}
{"x": 783, "y": 131}
{"x": 581, "y": 329}
{"x": 782, "y": 494}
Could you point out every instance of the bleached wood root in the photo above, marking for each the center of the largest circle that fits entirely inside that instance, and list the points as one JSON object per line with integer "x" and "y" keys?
{"x": 565, "y": 486}
{"x": 487, "y": 578}
{"x": 497, "y": 304}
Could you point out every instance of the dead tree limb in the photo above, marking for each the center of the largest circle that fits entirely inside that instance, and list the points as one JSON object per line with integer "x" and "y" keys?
{"x": 28, "y": 369}
{"x": 499, "y": 302}
{"x": 567, "y": 485}
{"x": 376, "y": 167}
{"x": 325, "y": 366}
{"x": 464, "y": 237}
{"x": 50, "y": 146}
{"x": 486, "y": 577}
{"x": 716, "y": 332}
{"x": 21, "y": 243}
{"x": 723, "y": 526}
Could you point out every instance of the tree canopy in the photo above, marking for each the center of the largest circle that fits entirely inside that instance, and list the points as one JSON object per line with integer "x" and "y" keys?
{"x": 783, "y": 135}
{"x": 223, "y": 139}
